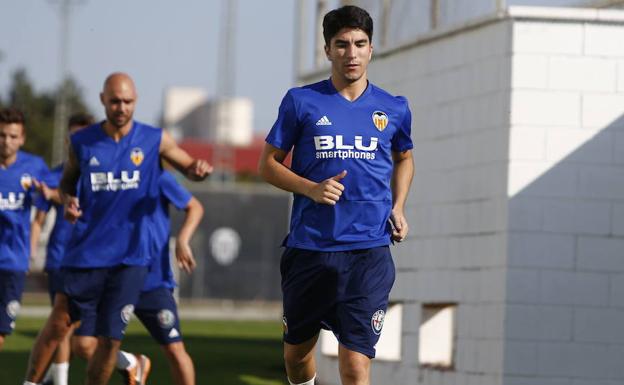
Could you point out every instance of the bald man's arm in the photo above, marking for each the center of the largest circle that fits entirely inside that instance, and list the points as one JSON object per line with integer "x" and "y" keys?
{"x": 193, "y": 169}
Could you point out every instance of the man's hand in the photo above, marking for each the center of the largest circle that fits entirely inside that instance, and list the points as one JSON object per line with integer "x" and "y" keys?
{"x": 199, "y": 170}
{"x": 328, "y": 191}
{"x": 43, "y": 188}
{"x": 399, "y": 225}
{"x": 72, "y": 209}
{"x": 184, "y": 256}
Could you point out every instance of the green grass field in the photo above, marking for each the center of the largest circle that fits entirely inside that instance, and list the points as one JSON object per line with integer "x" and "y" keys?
{"x": 224, "y": 353}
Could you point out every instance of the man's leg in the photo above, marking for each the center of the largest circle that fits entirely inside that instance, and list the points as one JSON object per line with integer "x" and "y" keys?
{"x": 300, "y": 362}
{"x": 83, "y": 346}
{"x": 103, "y": 361}
{"x": 55, "y": 329}
{"x": 182, "y": 369}
{"x": 354, "y": 367}
{"x": 1, "y": 341}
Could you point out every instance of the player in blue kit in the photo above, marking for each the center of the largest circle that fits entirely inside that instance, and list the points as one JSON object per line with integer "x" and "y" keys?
{"x": 110, "y": 192}
{"x": 156, "y": 307}
{"x": 19, "y": 173}
{"x": 58, "y": 371}
{"x": 351, "y": 172}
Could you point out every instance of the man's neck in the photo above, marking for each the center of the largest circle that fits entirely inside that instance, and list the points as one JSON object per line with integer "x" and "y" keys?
{"x": 116, "y": 132}
{"x": 350, "y": 90}
{"x": 6, "y": 162}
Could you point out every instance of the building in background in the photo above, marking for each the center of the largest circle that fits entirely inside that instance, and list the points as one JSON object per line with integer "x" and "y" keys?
{"x": 513, "y": 273}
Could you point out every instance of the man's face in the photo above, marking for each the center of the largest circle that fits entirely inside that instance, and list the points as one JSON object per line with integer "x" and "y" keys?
{"x": 349, "y": 51}
{"x": 11, "y": 139}
{"x": 119, "y": 100}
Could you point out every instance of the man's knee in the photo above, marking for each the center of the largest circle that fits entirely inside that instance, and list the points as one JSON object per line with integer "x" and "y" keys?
{"x": 107, "y": 344}
{"x": 297, "y": 356}
{"x": 83, "y": 347}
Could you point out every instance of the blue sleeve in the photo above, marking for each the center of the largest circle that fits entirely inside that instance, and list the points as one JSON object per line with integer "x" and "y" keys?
{"x": 402, "y": 139}
{"x": 285, "y": 132}
{"x": 173, "y": 191}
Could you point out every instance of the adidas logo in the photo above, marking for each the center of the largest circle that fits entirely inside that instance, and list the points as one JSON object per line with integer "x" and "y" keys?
{"x": 93, "y": 161}
{"x": 174, "y": 333}
{"x": 324, "y": 121}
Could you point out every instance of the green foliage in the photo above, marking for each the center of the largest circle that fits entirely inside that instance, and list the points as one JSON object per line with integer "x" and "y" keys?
{"x": 39, "y": 108}
{"x": 224, "y": 353}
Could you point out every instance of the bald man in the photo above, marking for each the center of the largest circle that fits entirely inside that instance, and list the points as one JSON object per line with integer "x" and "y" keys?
{"x": 110, "y": 192}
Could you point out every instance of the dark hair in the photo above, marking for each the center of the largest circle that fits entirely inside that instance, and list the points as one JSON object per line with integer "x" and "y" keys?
{"x": 348, "y": 16}
{"x": 80, "y": 119}
{"x": 11, "y": 115}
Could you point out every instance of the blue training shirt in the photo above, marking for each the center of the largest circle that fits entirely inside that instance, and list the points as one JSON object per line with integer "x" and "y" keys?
{"x": 330, "y": 134}
{"x": 17, "y": 194}
{"x": 118, "y": 192}
{"x": 61, "y": 232}
{"x": 160, "y": 273}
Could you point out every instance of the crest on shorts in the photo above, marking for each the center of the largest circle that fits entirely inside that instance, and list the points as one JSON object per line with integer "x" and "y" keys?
{"x": 126, "y": 313}
{"x": 136, "y": 156}
{"x": 26, "y": 181}
{"x": 285, "y": 324}
{"x": 380, "y": 120}
{"x": 377, "y": 321}
{"x": 13, "y": 308}
{"x": 166, "y": 318}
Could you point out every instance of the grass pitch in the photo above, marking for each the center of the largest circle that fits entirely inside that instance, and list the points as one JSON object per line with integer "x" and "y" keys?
{"x": 224, "y": 353}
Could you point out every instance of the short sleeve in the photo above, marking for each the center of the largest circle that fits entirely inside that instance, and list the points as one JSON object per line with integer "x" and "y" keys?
{"x": 174, "y": 192}
{"x": 285, "y": 132}
{"x": 402, "y": 139}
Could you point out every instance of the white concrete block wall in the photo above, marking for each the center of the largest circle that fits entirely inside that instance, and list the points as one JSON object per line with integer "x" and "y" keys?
{"x": 566, "y": 187}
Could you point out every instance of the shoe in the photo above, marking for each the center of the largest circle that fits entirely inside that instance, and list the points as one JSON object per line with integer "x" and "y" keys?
{"x": 137, "y": 375}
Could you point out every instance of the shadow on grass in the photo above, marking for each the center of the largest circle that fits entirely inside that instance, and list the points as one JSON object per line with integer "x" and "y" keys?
{"x": 218, "y": 361}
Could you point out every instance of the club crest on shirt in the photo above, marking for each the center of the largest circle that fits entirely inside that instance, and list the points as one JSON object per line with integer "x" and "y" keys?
{"x": 136, "y": 156}
{"x": 126, "y": 313}
{"x": 377, "y": 321}
{"x": 12, "y": 308}
{"x": 26, "y": 181}
{"x": 166, "y": 318}
{"x": 380, "y": 120}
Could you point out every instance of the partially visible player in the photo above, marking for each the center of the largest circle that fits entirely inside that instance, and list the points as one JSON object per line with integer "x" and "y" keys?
{"x": 59, "y": 237}
{"x": 351, "y": 172}
{"x": 110, "y": 191}
{"x": 19, "y": 173}
{"x": 157, "y": 308}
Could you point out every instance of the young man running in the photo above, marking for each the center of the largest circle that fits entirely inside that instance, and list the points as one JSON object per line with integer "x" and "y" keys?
{"x": 351, "y": 171}
{"x": 19, "y": 173}
{"x": 57, "y": 373}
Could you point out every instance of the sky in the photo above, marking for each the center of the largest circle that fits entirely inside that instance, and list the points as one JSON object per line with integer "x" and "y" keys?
{"x": 160, "y": 43}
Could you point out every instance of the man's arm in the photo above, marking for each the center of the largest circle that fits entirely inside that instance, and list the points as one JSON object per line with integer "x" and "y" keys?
{"x": 71, "y": 174}
{"x": 184, "y": 254}
{"x": 273, "y": 170}
{"x": 402, "y": 175}
{"x": 193, "y": 169}
{"x": 35, "y": 232}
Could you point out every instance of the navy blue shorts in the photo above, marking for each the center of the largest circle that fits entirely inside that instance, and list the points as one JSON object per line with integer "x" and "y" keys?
{"x": 11, "y": 289}
{"x": 106, "y": 296}
{"x": 158, "y": 312}
{"x": 345, "y": 292}
{"x": 55, "y": 283}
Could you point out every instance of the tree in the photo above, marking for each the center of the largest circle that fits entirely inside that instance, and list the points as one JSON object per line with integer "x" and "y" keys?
{"x": 39, "y": 110}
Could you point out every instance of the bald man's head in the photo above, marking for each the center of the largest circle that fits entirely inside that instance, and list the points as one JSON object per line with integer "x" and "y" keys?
{"x": 119, "y": 99}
